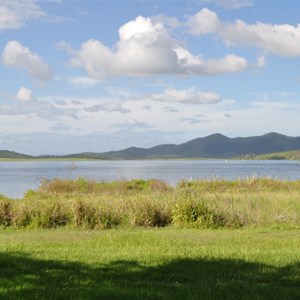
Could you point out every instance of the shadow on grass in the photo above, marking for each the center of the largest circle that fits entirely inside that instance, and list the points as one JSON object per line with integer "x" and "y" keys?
{"x": 23, "y": 277}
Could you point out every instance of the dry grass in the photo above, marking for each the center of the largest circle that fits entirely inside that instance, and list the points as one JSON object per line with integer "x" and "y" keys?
{"x": 200, "y": 204}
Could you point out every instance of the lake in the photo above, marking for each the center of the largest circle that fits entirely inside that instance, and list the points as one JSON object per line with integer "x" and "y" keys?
{"x": 16, "y": 177}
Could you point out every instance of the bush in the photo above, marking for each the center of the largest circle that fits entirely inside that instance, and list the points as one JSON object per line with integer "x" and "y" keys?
{"x": 196, "y": 213}
{"x": 54, "y": 215}
{"x": 84, "y": 214}
{"x": 23, "y": 215}
{"x": 150, "y": 213}
{"x": 5, "y": 212}
{"x": 91, "y": 216}
{"x": 107, "y": 218}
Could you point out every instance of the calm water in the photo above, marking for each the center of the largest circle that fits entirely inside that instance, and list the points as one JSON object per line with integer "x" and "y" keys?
{"x": 17, "y": 177}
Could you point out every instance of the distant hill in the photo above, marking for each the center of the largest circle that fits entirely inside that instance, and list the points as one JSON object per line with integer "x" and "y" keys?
{"x": 212, "y": 146}
{"x": 12, "y": 155}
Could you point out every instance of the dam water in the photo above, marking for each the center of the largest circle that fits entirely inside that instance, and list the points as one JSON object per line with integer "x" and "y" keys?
{"x": 16, "y": 177}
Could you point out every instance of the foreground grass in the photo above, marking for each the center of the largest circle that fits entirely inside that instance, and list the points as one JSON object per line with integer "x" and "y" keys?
{"x": 220, "y": 240}
{"x": 165, "y": 263}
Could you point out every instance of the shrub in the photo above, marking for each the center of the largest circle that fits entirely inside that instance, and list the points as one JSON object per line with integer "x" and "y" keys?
{"x": 5, "y": 212}
{"x": 107, "y": 218}
{"x": 150, "y": 214}
{"x": 90, "y": 216}
{"x": 54, "y": 215}
{"x": 23, "y": 215}
{"x": 83, "y": 214}
{"x": 196, "y": 213}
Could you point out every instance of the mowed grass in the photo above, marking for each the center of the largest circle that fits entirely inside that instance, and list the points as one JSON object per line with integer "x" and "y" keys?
{"x": 165, "y": 263}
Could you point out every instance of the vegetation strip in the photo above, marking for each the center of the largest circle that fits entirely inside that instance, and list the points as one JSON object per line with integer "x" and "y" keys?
{"x": 81, "y": 203}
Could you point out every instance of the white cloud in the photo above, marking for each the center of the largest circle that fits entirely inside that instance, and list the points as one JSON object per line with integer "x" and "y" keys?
{"x": 16, "y": 55}
{"x": 24, "y": 95}
{"x": 261, "y": 61}
{"x": 230, "y": 4}
{"x": 82, "y": 82}
{"x": 186, "y": 96}
{"x": 282, "y": 39}
{"x": 275, "y": 105}
{"x": 195, "y": 119}
{"x": 204, "y": 22}
{"x": 63, "y": 45}
{"x": 28, "y": 106}
{"x": 145, "y": 47}
{"x": 15, "y": 13}
{"x": 196, "y": 65}
{"x": 229, "y": 64}
{"x": 171, "y": 22}
{"x": 133, "y": 123}
{"x": 108, "y": 107}
{"x": 234, "y": 4}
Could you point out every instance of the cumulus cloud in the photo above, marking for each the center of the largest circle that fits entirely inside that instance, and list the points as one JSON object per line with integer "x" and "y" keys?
{"x": 29, "y": 106}
{"x": 24, "y": 95}
{"x": 146, "y": 47}
{"x": 204, "y": 22}
{"x": 15, "y": 13}
{"x": 186, "y": 96}
{"x": 196, "y": 65}
{"x": 282, "y": 39}
{"x": 16, "y": 55}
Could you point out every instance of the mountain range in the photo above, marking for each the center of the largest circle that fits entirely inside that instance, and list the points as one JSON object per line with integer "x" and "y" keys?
{"x": 212, "y": 146}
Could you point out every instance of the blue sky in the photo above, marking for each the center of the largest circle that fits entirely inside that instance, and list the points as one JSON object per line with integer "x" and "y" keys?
{"x": 105, "y": 75}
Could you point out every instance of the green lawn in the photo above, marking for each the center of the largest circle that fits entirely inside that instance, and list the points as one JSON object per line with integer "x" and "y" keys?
{"x": 165, "y": 263}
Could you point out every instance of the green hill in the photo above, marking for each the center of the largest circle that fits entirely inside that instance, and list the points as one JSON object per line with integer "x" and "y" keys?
{"x": 13, "y": 155}
{"x": 213, "y": 146}
{"x": 269, "y": 146}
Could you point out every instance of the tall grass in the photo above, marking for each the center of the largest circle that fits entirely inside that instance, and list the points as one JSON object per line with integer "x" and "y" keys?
{"x": 216, "y": 203}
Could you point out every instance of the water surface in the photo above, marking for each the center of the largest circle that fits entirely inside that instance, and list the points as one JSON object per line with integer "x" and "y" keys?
{"x": 18, "y": 177}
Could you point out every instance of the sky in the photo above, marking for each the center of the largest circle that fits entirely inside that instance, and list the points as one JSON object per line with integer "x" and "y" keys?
{"x": 96, "y": 75}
